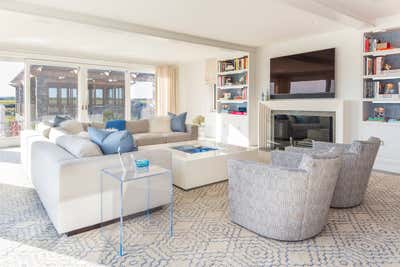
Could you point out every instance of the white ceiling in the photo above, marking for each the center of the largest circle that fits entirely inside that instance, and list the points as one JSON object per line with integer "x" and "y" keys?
{"x": 64, "y": 38}
{"x": 366, "y": 9}
{"x": 250, "y": 23}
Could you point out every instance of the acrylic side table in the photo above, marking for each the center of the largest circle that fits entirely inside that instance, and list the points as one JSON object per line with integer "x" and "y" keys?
{"x": 124, "y": 177}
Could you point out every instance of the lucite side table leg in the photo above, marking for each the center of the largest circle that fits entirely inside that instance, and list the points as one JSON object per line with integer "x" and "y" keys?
{"x": 148, "y": 197}
{"x": 171, "y": 205}
{"x": 101, "y": 200}
{"x": 121, "y": 217}
{"x": 101, "y": 207}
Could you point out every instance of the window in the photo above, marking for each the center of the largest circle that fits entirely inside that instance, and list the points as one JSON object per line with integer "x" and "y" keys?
{"x": 11, "y": 99}
{"x": 51, "y": 92}
{"x": 106, "y": 95}
{"x": 142, "y": 91}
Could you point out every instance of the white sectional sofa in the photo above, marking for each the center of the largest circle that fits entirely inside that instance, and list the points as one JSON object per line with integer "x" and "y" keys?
{"x": 69, "y": 187}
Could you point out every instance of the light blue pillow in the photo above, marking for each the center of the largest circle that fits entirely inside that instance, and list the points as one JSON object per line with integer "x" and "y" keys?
{"x": 120, "y": 125}
{"x": 178, "y": 122}
{"x": 110, "y": 142}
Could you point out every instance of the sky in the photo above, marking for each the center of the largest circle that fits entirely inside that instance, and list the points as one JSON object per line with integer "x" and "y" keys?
{"x": 142, "y": 90}
{"x": 8, "y": 71}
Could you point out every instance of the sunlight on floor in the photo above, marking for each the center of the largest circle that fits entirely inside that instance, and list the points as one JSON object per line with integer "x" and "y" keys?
{"x": 17, "y": 254}
{"x": 12, "y": 172}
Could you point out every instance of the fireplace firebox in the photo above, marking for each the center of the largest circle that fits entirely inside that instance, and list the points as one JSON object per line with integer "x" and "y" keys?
{"x": 300, "y": 128}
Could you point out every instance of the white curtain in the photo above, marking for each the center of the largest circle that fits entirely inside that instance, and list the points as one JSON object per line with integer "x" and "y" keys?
{"x": 166, "y": 89}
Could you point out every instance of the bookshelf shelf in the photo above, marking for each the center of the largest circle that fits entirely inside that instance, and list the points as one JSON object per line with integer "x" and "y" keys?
{"x": 237, "y": 101}
{"x": 374, "y": 100}
{"x": 380, "y": 123}
{"x": 238, "y": 86}
{"x": 393, "y": 51}
{"x": 390, "y": 76}
{"x": 233, "y": 72}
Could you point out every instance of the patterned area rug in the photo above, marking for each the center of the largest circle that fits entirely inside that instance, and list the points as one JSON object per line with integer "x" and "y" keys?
{"x": 366, "y": 235}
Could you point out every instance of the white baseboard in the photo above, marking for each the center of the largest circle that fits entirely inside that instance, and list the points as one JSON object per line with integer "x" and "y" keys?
{"x": 387, "y": 165}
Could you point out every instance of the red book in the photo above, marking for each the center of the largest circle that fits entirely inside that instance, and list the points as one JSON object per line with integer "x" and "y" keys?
{"x": 366, "y": 45}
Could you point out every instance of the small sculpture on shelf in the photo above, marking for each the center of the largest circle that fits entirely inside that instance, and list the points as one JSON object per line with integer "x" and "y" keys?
{"x": 379, "y": 112}
{"x": 387, "y": 67}
{"x": 227, "y": 96}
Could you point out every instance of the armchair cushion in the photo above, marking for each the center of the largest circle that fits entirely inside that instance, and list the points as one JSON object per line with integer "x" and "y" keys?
{"x": 286, "y": 159}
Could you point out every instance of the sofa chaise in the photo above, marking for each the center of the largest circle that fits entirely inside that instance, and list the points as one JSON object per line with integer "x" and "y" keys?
{"x": 69, "y": 187}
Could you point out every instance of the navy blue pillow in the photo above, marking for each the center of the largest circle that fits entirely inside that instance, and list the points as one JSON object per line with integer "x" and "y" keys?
{"x": 178, "y": 122}
{"x": 110, "y": 142}
{"x": 59, "y": 119}
{"x": 120, "y": 125}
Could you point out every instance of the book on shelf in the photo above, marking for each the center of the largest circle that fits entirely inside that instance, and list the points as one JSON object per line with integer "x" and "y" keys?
{"x": 374, "y": 66}
{"x": 369, "y": 91}
{"x": 377, "y": 88}
{"x": 378, "y": 65}
{"x": 244, "y": 93}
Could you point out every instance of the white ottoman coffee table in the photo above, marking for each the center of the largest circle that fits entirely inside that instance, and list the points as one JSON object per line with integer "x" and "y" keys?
{"x": 191, "y": 170}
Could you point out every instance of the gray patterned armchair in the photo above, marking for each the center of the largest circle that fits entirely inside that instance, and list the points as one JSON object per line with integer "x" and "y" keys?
{"x": 287, "y": 200}
{"x": 357, "y": 161}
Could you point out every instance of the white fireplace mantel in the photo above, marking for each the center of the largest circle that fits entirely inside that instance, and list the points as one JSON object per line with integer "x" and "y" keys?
{"x": 328, "y": 105}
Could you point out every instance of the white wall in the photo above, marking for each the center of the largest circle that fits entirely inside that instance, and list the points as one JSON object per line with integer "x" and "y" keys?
{"x": 195, "y": 95}
{"x": 349, "y": 70}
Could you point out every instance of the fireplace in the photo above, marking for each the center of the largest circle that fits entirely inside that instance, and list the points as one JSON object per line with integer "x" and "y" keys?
{"x": 300, "y": 128}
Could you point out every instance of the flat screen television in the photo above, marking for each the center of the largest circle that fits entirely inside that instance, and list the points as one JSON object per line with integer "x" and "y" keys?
{"x": 306, "y": 75}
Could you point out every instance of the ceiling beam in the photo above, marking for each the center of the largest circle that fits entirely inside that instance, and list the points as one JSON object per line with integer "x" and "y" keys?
{"x": 54, "y": 13}
{"x": 331, "y": 10}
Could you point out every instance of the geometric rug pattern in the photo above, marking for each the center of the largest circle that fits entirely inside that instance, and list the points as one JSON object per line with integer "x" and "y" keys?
{"x": 368, "y": 235}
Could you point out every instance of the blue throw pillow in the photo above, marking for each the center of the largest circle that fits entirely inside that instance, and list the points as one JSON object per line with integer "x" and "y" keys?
{"x": 178, "y": 122}
{"x": 110, "y": 142}
{"x": 120, "y": 125}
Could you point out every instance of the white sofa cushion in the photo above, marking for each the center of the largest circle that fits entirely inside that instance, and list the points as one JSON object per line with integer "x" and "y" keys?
{"x": 160, "y": 124}
{"x": 43, "y": 128}
{"x": 79, "y": 146}
{"x": 72, "y": 126}
{"x": 56, "y": 132}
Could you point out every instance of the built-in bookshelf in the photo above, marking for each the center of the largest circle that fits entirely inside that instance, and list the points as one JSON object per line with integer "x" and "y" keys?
{"x": 232, "y": 85}
{"x": 381, "y": 94}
